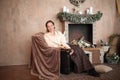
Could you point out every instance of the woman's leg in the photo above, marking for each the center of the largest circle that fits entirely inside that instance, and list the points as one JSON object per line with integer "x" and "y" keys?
{"x": 81, "y": 61}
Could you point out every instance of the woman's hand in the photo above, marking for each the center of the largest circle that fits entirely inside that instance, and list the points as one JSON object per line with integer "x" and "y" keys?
{"x": 72, "y": 51}
{"x": 62, "y": 47}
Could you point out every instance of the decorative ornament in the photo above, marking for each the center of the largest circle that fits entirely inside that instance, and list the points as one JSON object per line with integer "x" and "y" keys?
{"x": 82, "y": 43}
{"x": 78, "y": 18}
{"x": 114, "y": 59}
{"x": 76, "y": 2}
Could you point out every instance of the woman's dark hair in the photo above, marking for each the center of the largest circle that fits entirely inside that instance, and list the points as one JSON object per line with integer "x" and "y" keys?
{"x": 49, "y": 21}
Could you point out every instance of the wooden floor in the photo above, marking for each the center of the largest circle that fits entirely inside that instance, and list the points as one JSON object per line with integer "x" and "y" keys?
{"x": 22, "y": 72}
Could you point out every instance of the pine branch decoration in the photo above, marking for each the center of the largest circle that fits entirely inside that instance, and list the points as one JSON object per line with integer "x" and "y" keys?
{"x": 77, "y": 18}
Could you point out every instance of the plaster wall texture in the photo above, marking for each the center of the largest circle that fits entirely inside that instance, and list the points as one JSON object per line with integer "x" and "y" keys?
{"x": 20, "y": 19}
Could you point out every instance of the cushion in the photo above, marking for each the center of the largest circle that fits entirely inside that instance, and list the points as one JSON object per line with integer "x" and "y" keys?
{"x": 102, "y": 68}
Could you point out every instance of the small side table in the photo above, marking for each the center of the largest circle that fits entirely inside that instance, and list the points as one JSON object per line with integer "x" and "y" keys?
{"x": 95, "y": 54}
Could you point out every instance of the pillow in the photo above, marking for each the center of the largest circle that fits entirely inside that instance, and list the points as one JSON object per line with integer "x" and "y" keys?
{"x": 102, "y": 68}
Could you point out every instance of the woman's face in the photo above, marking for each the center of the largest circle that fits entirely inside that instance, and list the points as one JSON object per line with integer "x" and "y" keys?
{"x": 50, "y": 27}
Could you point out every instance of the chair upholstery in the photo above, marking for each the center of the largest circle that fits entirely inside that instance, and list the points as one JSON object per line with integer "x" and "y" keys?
{"x": 45, "y": 60}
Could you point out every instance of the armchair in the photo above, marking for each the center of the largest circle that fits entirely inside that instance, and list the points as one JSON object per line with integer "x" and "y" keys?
{"x": 47, "y": 62}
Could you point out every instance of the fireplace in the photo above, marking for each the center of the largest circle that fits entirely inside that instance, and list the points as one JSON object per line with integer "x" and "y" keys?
{"x": 89, "y": 31}
{"x": 77, "y": 31}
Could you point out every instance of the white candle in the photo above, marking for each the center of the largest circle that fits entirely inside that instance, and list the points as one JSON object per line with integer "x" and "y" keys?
{"x": 67, "y": 10}
{"x": 80, "y": 12}
{"x": 88, "y": 11}
{"x": 64, "y": 9}
{"x": 91, "y": 10}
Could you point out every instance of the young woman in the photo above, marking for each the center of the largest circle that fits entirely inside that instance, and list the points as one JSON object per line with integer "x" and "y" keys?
{"x": 57, "y": 39}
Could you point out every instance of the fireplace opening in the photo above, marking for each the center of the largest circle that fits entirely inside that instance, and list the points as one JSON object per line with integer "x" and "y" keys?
{"x": 76, "y": 31}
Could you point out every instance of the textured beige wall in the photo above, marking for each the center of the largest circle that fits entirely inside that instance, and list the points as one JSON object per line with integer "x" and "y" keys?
{"x": 20, "y": 19}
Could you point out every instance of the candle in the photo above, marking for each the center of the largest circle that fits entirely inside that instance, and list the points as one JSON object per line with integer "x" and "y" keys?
{"x": 88, "y": 11}
{"x": 80, "y": 12}
{"x": 67, "y": 10}
{"x": 64, "y": 9}
{"x": 91, "y": 10}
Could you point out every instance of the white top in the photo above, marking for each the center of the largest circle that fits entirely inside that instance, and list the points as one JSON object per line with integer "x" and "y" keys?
{"x": 56, "y": 40}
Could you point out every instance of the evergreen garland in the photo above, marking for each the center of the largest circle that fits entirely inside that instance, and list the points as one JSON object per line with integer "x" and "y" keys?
{"x": 78, "y": 18}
